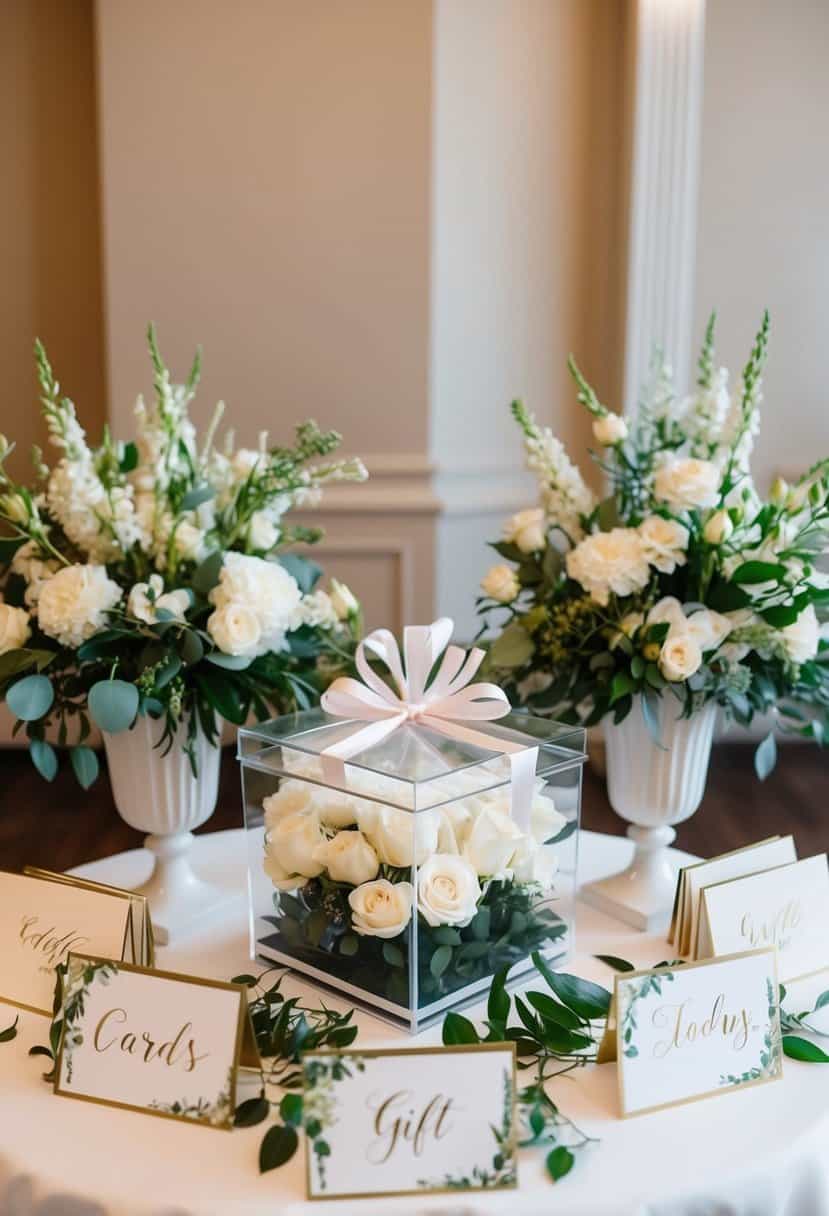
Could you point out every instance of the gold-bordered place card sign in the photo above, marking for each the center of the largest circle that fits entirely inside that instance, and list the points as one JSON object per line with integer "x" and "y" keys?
{"x": 153, "y": 1041}
{"x": 763, "y": 855}
{"x": 44, "y": 916}
{"x": 410, "y": 1121}
{"x": 694, "y": 1030}
{"x": 787, "y": 907}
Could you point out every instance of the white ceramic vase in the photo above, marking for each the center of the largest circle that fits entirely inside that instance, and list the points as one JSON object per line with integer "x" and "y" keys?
{"x": 158, "y": 794}
{"x": 652, "y": 788}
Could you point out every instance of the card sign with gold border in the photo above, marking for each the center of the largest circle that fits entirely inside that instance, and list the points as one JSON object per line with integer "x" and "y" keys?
{"x": 694, "y": 1030}
{"x": 410, "y": 1121}
{"x": 44, "y": 916}
{"x": 153, "y": 1041}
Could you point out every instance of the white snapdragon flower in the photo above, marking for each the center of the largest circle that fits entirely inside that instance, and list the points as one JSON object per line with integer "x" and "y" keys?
{"x": 74, "y": 602}
{"x": 704, "y": 416}
{"x": 30, "y": 563}
{"x": 145, "y": 599}
{"x": 344, "y": 600}
{"x": 264, "y": 590}
{"x": 501, "y": 583}
{"x": 564, "y": 495}
{"x": 664, "y": 542}
{"x": 608, "y": 562}
{"x": 317, "y": 611}
{"x": 15, "y": 629}
{"x": 683, "y": 482}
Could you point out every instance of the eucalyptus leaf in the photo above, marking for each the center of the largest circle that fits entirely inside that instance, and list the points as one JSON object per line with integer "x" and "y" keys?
{"x": 198, "y": 495}
{"x": 207, "y": 574}
{"x": 113, "y": 705}
{"x": 765, "y": 757}
{"x": 192, "y": 647}
{"x": 44, "y": 758}
{"x": 231, "y": 662}
{"x": 30, "y": 698}
{"x": 306, "y": 573}
{"x": 84, "y": 765}
{"x": 440, "y": 960}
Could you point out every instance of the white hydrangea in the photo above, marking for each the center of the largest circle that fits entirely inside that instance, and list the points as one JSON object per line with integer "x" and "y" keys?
{"x": 31, "y": 564}
{"x": 74, "y": 602}
{"x": 267, "y": 593}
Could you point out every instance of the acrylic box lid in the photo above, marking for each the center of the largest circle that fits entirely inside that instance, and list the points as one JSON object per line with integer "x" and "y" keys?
{"x": 414, "y": 767}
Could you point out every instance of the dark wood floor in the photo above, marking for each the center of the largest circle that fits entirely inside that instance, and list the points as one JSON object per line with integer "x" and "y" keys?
{"x": 60, "y": 825}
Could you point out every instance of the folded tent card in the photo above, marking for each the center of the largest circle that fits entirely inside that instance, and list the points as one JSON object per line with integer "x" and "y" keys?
{"x": 44, "y": 916}
{"x": 757, "y": 896}
{"x": 153, "y": 1041}
{"x": 694, "y": 1030}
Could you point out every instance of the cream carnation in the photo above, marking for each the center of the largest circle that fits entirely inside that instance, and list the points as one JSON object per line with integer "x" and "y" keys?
{"x": 74, "y": 602}
{"x": 684, "y": 482}
{"x": 679, "y": 657}
{"x": 500, "y": 583}
{"x": 608, "y": 562}
{"x": 381, "y": 908}
{"x": 447, "y": 890}
{"x": 527, "y": 530}
{"x": 266, "y": 591}
{"x": 664, "y": 542}
{"x": 14, "y": 628}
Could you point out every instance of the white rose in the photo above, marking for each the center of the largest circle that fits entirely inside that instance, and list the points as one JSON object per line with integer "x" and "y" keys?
{"x": 679, "y": 657}
{"x": 610, "y": 430}
{"x": 546, "y": 821}
{"x": 801, "y": 638}
{"x": 235, "y": 630}
{"x": 401, "y": 838}
{"x": 664, "y": 542}
{"x": 491, "y": 842}
{"x": 527, "y": 530}
{"x": 500, "y": 583}
{"x": 668, "y": 610}
{"x": 381, "y": 908}
{"x": 708, "y": 628}
{"x": 14, "y": 628}
{"x": 74, "y": 602}
{"x": 190, "y": 542}
{"x": 447, "y": 890}
{"x": 266, "y": 590}
{"x": 245, "y": 461}
{"x": 534, "y": 862}
{"x": 262, "y": 532}
{"x": 343, "y": 600}
{"x": 627, "y": 627}
{"x": 718, "y": 527}
{"x": 348, "y": 857}
{"x": 290, "y": 846}
{"x": 609, "y": 561}
{"x": 291, "y": 797}
{"x": 685, "y": 482}
{"x": 337, "y": 810}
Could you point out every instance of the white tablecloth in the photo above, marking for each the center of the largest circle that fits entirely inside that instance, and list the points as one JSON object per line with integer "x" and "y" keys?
{"x": 760, "y": 1152}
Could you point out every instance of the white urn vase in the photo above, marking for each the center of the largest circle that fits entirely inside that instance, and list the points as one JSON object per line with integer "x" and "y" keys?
{"x": 653, "y": 787}
{"x": 157, "y": 793}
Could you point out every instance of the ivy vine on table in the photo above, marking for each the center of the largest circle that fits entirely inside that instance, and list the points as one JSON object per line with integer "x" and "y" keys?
{"x": 555, "y": 1032}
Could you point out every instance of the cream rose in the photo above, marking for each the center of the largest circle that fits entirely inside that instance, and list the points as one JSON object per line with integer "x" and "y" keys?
{"x": 266, "y": 591}
{"x": 491, "y": 842}
{"x": 381, "y": 908}
{"x": 291, "y": 797}
{"x": 262, "y": 532}
{"x": 610, "y": 430}
{"x": 801, "y": 638}
{"x": 235, "y": 630}
{"x": 664, "y": 542}
{"x": 447, "y": 890}
{"x": 290, "y": 845}
{"x": 348, "y": 857}
{"x": 685, "y": 482}
{"x": 400, "y": 838}
{"x": 718, "y": 527}
{"x": 668, "y": 610}
{"x": 14, "y": 628}
{"x": 679, "y": 657}
{"x": 534, "y": 862}
{"x": 527, "y": 530}
{"x": 708, "y": 628}
{"x": 608, "y": 562}
{"x": 190, "y": 542}
{"x": 343, "y": 600}
{"x": 74, "y": 602}
{"x": 546, "y": 821}
{"x": 337, "y": 810}
{"x": 500, "y": 583}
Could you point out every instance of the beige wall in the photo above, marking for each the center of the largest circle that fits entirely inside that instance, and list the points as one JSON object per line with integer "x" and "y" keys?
{"x": 763, "y": 235}
{"x": 49, "y": 216}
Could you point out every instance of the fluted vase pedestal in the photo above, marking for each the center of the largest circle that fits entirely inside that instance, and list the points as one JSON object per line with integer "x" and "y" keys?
{"x": 157, "y": 793}
{"x": 653, "y": 788}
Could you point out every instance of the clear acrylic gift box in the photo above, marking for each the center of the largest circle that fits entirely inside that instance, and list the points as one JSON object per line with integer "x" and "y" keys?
{"x": 409, "y": 884}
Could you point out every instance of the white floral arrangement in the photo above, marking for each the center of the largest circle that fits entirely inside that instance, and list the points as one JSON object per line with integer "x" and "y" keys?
{"x": 683, "y": 581}
{"x": 152, "y": 577}
{"x": 351, "y": 875}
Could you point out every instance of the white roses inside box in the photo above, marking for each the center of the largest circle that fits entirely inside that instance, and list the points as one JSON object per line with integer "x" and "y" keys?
{"x": 410, "y": 884}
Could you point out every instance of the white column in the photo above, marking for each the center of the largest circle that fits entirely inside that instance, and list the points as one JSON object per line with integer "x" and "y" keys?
{"x": 664, "y": 186}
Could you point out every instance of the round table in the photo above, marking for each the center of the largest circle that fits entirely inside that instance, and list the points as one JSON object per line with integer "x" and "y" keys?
{"x": 759, "y": 1152}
